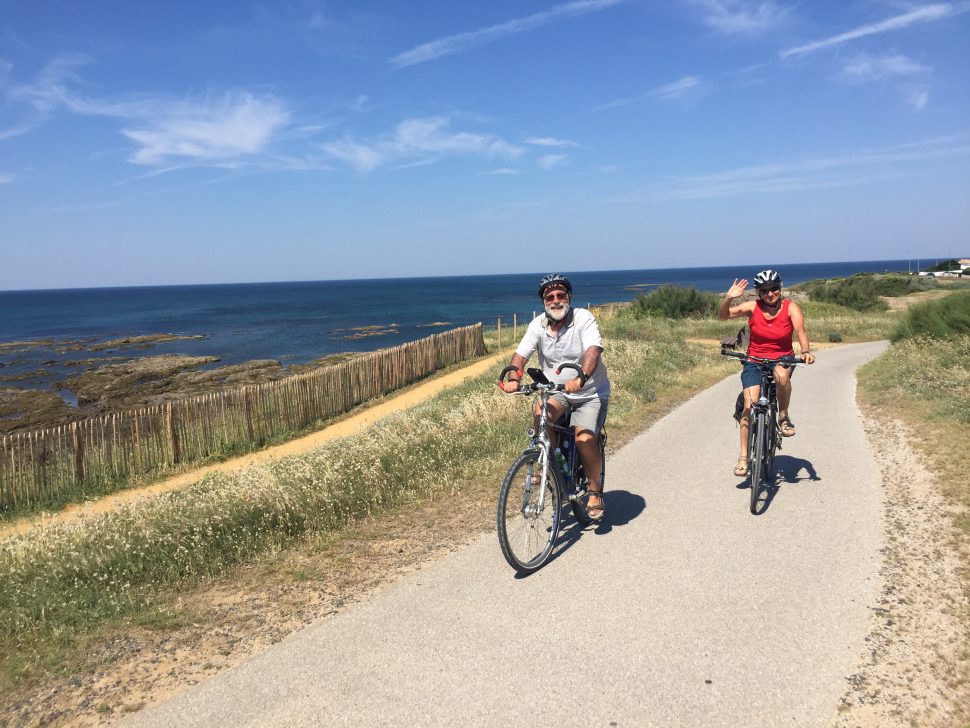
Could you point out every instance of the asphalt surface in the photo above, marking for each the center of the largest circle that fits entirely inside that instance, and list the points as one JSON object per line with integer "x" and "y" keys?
{"x": 681, "y": 609}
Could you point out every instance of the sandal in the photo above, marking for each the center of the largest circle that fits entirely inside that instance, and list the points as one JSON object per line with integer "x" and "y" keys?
{"x": 786, "y": 426}
{"x": 741, "y": 468}
{"x": 601, "y": 507}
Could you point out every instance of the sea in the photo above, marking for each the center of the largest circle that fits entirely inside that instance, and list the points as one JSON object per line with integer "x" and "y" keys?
{"x": 299, "y": 322}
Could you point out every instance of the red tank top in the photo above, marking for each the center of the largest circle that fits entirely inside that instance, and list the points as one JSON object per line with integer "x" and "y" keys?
{"x": 771, "y": 338}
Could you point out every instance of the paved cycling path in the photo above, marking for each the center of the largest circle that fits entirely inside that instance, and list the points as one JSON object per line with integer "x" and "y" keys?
{"x": 682, "y": 610}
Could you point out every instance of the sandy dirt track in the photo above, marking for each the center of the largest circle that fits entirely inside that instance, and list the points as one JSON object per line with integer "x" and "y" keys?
{"x": 683, "y": 607}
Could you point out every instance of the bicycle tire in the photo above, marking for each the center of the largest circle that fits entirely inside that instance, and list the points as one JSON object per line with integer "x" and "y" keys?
{"x": 757, "y": 460}
{"x": 527, "y": 535}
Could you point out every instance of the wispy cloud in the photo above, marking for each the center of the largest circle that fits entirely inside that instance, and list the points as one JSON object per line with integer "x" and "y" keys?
{"x": 551, "y": 161}
{"x": 817, "y": 173}
{"x": 550, "y": 142}
{"x": 676, "y": 89}
{"x": 31, "y": 104}
{"x": 896, "y": 68}
{"x": 743, "y": 17}
{"x": 502, "y": 171}
{"x": 864, "y": 67}
{"x": 215, "y": 129}
{"x": 464, "y": 41}
{"x": 925, "y": 14}
{"x": 918, "y": 99}
{"x": 417, "y": 140}
{"x": 5, "y": 179}
{"x": 223, "y": 129}
{"x": 667, "y": 92}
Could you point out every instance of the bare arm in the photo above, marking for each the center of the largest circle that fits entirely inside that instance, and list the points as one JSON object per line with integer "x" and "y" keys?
{"x": 591, "y": 360}
{"x": 726, "y": 311}
{"x": 798, "y": 323}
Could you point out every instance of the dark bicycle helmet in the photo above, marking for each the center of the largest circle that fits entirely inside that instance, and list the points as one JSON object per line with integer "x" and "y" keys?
{"x": 555, "y": 279}
{"x": 766, "y": 278}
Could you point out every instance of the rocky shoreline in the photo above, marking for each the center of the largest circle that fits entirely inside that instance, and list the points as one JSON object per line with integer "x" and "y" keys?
{"x": 59, "y": 391}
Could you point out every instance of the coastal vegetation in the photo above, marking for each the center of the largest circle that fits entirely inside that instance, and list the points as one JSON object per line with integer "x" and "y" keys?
{"x": 941, "y": 318}
{"x": 676, "y": 302}
{"x": 868, "y": 291}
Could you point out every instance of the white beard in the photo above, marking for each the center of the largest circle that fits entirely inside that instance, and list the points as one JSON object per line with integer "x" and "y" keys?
{"x": 556, "y": 311}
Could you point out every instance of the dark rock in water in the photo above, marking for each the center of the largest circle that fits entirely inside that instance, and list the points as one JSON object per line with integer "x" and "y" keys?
{"x": 26, "y": 408}
{"x": 135, "y": 380}
{"x": 142, "y": 342}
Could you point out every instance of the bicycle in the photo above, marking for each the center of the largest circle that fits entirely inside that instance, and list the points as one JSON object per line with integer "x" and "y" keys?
{"x": 529, "y": 517}
{"x": 764, "y": 437}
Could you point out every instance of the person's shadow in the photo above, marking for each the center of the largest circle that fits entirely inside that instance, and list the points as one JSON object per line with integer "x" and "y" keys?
{"x": 621, "y": 508}
{"x": 786, "y": 469}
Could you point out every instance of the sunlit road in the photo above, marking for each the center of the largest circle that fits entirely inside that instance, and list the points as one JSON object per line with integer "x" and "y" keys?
{"x": 682, "y": 609}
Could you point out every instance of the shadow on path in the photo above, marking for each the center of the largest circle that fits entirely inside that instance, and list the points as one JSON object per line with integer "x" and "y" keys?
{"x": 621, "y": 508}
{"x": 787, "y": 470}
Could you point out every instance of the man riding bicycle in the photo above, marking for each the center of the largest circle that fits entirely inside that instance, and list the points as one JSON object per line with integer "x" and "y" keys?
{"x": 566, "y": 335}
{"x": 773, "y": 322}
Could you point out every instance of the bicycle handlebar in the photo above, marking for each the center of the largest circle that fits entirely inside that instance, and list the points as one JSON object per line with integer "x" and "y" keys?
{"x": 743, "y": 356}
{"x": 543, "y": 386}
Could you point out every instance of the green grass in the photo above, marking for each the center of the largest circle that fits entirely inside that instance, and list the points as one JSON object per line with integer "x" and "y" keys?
{"x": 941, "y": 318}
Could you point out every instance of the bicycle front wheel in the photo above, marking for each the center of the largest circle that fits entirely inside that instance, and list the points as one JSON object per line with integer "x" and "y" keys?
{"x": 528, "y": 514}
{"x": 757, "y": 455}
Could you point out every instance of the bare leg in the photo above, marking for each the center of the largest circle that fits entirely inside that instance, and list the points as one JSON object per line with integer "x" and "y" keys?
{"x": 589, "y": 453}
{"x": 783, "y": 387}
{"x": 751, "y": 394}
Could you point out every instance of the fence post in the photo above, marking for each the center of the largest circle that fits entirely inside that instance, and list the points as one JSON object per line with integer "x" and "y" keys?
{"x": 515, "y": 327}
{"x": 78, "y": 443}
{"x": 248, "y": 408}
{"x": 500, "y": 331}
{"x": 173, "y": 433}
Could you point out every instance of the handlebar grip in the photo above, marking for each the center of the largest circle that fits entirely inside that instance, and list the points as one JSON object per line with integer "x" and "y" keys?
{"x": 579, "y": 370}
{"x": 507, "y": 370}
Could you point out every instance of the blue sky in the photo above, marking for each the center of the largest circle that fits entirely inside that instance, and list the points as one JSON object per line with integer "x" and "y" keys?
{"x": 153, "y": 143}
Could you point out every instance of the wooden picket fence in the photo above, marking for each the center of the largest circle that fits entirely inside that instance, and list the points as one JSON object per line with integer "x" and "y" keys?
{"x": 40, "y": 464}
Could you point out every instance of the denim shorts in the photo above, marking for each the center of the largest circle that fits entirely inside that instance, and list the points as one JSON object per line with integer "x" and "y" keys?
{"x": 751, "y": 374}
{"x": 589, "y": 415}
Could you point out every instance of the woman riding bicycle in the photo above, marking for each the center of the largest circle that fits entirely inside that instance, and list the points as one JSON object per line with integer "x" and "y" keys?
{"x": 564, "y": 335}
{"x": 773, "y": 321}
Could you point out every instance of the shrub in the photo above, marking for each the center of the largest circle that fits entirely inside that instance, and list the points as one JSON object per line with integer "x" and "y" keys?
{"x": 835, "y": 337}
{"x": 858, "y": 292}
{"x": 942, "y": 318}
{"x": 677, "y": 302}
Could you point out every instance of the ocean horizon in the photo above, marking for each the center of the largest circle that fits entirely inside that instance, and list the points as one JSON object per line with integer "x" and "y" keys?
{"x": 299, "y": 322}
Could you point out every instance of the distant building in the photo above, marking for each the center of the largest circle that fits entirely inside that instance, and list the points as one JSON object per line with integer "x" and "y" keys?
{"x": 964, "y": 263}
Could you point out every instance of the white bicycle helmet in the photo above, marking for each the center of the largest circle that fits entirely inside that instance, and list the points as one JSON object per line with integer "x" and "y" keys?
{"x": 767, "y": 278}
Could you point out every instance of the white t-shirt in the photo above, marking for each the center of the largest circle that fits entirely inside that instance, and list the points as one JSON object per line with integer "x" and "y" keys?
{"x": 567, "y": 347}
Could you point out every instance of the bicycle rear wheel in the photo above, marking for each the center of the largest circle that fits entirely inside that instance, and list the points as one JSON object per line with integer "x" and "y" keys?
{"x": 757, "y": 454}
{"x": 527, "y": 532}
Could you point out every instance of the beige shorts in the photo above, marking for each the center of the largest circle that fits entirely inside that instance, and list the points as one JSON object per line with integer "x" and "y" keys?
{"x": 589, "y": 415}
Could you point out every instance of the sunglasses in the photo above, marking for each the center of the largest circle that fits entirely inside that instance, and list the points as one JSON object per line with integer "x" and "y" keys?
{"x": 557, "y": 296}
{"x": 773, "y": 289}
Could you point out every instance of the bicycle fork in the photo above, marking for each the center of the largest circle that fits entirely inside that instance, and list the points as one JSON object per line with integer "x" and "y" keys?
{"x": 528, "y": 509}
